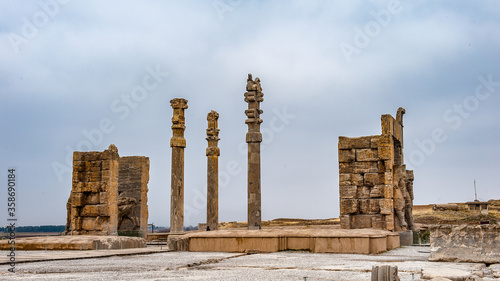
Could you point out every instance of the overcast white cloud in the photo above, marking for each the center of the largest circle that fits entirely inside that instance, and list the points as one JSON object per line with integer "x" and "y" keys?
{"x": 67, "y": 65}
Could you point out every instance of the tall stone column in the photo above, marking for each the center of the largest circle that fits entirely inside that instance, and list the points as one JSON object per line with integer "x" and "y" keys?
{"x": 213, "y": 153}
{"x": 178, "y": 143}
{"x": 253, "y": 97}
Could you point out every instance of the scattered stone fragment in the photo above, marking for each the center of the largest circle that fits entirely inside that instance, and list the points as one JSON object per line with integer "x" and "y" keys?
{"x": 451, "y": 274}
{"x": 465, "y": 243}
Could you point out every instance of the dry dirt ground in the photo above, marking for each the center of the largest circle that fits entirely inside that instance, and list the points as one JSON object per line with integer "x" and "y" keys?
{"x": 234, "y": 266}
{"x": 424, "y": 215}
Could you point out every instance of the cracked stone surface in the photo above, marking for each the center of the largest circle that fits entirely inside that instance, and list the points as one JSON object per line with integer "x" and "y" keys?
{"x": 234, "y": 266}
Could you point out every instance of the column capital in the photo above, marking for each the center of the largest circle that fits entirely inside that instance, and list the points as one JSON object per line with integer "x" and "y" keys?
{"x": 179, "y": 103}
{"x": 213, "y": 134}
{"x": 178, "y": 122}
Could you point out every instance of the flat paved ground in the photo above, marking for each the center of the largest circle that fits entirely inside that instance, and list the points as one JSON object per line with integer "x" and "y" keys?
{"x": 228, "y": 266}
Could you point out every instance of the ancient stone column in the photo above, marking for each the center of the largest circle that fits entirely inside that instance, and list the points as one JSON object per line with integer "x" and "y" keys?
{"x": 253, "y": 97}
{"x": 178, "y": 143}
{"x": 213, "y": 153}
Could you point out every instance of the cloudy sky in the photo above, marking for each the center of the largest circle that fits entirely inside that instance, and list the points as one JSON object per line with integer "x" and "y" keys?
{"x": 80, "y": 75}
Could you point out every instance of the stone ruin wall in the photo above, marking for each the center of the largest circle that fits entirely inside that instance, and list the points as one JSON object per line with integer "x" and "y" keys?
{"x": 133, "y": 180}
{"x": 465, "y": 243}
{"x": 92, "y": 205}
{"x": 108, "y": 195}
{"x": 376, "y": 190}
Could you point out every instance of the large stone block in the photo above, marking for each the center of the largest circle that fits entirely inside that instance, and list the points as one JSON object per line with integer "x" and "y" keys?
{"x": 386, "y": 206}
{"x": 367, "y": 154}
{"x": 348, "y": 206}
{"x": 389, "y": 191}
{"x": 466, "y": 243}
{"x": 94, "y": 176}
{"x": 106, "y": 165}
{"x": 347, "y": 155}
{"x": 377, "y": 191}
{"x": 82, "y": 187}
{"x": 389, "y": 222}
{"x": 89, "y": 224}
{"x": 78, "y": 176}
{"x": 94, "y": 187}
{"x": 348, "y": 192}
{"x": 386, "y": 152}
{"x": 79, "y": 166}
{"x": 358, "y": 167}
{"x": 78, "y": 156}
{"x": 345, "y": 221}
{"x": 372, "y": 179}
{"x": 93, "y": 199}
{"x": 103, "y": 197}
{"x": 374, "y": 206}
{"x": 369, "y": 206}
{"x": 95, "y": 210}
{"x": 357, "y": 179}
{"x": 345, "y": 179}
{"x": 387, "y": 124}
{"x": 351, "y": 179}
{"x": 363, "y": 192}
{"x": 378, "y": 222}
{"x": 77, "y": 199}
{"x": 362, "y": 221}
{"x": 76, "y": 220}
{"x": 386, "y": 140}
{"x": 388, "y": 179}
{"x": 444, "y": 274}
{"x": 359, "y": 142}
{"x": 364, "y": 206}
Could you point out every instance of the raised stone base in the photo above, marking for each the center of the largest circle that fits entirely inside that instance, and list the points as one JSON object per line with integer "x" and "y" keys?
{"x": 321, "y": 239}
{"x": 159, "y": 236}
{"x": 75, "y": 242}
{"x": 406, "y": 238}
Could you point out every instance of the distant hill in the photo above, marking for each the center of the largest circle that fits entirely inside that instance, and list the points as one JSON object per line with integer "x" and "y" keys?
{"x": 41, "y": 228}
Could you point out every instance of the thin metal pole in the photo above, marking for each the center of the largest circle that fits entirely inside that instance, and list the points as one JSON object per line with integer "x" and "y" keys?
{"x": 475, "y": 191}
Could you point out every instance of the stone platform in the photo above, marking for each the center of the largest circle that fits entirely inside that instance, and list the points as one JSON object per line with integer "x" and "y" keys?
{"x": 316, "y": 239}
{"x": 75, "y": 242}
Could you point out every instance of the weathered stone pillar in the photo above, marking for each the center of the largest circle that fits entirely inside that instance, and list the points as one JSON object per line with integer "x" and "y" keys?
{"x": 384, "y": 273}
{"x": 178, "y": 143}
{"x": 253, "y": 97}
{"x": 213, "y": 153}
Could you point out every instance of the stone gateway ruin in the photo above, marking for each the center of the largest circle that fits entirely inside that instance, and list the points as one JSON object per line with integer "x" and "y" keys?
{"x": 376, "y": 190}
{"x": 108, "y": 194}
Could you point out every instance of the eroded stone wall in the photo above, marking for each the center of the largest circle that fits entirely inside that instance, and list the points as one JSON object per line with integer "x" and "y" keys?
{"x": 133, "y": 195}
{"x": 92, "y": 205}
{"x": 466, "y": 243}
{"x": 376, "y": 190}
{"x": 108, "y": 194}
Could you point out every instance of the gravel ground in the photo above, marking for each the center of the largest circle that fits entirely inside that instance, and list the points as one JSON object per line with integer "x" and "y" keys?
{"x": 231, "y": 266}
